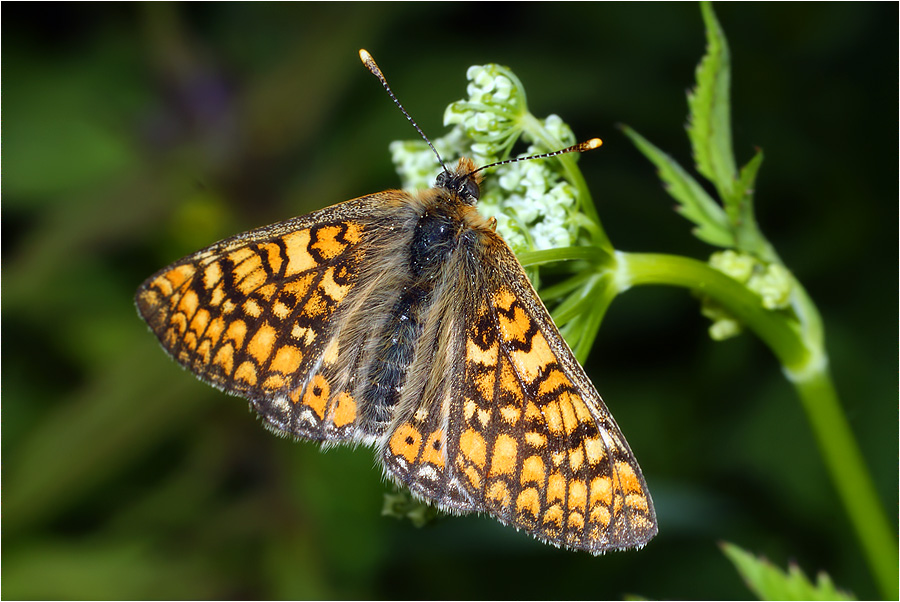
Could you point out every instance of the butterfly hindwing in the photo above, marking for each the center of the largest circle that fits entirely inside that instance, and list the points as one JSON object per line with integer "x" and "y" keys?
{"x": 418, "y": 448}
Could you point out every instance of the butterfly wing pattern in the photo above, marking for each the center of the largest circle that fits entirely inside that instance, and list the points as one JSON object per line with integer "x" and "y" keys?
{"x": 257, "y": 315}
{"x": 554, "y": 462}
{"x": 405, "y": 322}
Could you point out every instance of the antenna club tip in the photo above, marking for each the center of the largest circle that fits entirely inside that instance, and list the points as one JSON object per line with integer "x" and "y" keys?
{"x": 593, "y": 143}
{"x": 364, "y": 55}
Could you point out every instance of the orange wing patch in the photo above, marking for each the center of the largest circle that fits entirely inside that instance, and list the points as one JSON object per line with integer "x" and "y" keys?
{"x": 245, "y": 318}
{"x": 556, "y": 468}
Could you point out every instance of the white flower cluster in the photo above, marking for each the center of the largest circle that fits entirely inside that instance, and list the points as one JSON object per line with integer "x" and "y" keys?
{"x": 416, "y": 164}
{"x": 560, "y": 130}
{"x": 535, "y": 206}
{"x": 488, "y": 84}
{"x": 491, "y": 112}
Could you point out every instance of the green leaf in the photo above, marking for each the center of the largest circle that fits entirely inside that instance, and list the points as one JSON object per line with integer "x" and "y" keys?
{"x": 741, "y": 205}
{"x": 402, "y": 505}
{"x": 769, "y": 582}
{"x": 748, "y": 237}
{"x": 694, "y": 202}
{"x": 709, "y": 122}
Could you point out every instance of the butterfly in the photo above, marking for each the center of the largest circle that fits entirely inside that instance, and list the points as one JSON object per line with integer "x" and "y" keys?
{"x": 404, "y": 321}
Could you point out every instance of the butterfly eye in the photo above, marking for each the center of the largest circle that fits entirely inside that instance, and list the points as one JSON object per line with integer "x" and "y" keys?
{"x": 470, "y": 189}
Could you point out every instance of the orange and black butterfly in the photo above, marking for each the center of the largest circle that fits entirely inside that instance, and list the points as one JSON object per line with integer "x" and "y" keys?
{"x": 405, "y": 322}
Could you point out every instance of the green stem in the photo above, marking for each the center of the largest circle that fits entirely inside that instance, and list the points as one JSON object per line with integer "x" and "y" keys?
{"x": 593, "y": 255}
{"x": 853, "y": 482}
{"x": 602, "y": 290}
{"x": 579, "y": 302}
{"x": 560, "y": 289}
{"x": 806, "y": 366}
{"x": 776, "y": 329}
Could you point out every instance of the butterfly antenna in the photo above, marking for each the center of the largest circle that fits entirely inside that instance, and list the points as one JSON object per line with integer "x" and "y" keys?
{"x": 577, "y": 148}
{"x": 372, "y": 66}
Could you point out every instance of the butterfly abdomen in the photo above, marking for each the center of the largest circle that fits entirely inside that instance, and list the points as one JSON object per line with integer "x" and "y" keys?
{"x": 393, "y": 354}
{"x": 435, "y": 237}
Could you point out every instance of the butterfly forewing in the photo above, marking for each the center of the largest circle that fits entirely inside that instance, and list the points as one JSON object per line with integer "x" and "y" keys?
{"x": 258, "y": 315}
{"x": 537, "y": 445}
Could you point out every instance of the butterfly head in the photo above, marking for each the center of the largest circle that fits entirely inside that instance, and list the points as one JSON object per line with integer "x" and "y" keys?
{"x": 463, "y": 182}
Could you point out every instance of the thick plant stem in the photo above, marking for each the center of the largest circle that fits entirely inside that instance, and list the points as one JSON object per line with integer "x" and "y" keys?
{"x": 848, "y": 471}
{"x": 806, "y": 366}
{"x": 776, "y": 330}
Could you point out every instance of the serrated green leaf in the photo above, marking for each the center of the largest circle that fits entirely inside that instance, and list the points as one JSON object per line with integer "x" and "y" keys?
{"x": 745, "y": 190}
{"x": 740, "y": 210}
{"x": 709, "y": 122}
{"x": 769, "y": 582}
{"x": 694, "y": 202}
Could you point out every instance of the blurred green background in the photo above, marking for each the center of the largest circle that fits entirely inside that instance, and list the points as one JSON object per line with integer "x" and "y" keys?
{"x": 135, "y": 134}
